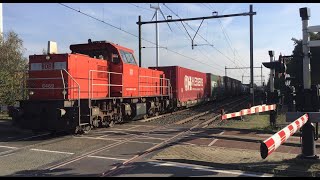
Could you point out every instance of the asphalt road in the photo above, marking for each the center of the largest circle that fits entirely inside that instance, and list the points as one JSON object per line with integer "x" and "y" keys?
{"x": 112, "y": 151}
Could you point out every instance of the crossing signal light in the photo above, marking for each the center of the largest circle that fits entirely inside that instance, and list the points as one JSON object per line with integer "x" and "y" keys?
{"x": 279, "y": 66}
{"x": 276, "y": 65}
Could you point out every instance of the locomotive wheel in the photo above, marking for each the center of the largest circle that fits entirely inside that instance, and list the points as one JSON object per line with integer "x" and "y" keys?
{"x": 53, "y": 132}
{"x": 111, "y": 123}
{"x": 86, "y": 129}
{"x": 36, "y": 131}
{"x": 78, "y": 130}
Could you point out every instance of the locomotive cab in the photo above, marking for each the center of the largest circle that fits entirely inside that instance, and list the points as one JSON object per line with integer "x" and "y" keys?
{"x": 125, "y": 74}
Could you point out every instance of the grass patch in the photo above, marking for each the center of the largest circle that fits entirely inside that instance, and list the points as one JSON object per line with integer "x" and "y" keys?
{"x": 256, "y": 122}
{"x": 4, "y": 116}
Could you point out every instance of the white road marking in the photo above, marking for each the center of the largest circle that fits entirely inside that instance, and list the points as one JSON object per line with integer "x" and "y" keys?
{"x": 7, "y": 154}
{"x": 189, "y": 144}
{"x": 144, "y": 142}
{"x": 117, "y": 139}
{"x": 10, "y": 147}
{"x": 102, "y": 157}
{"x": 150, "y": 137}
{"x": 215, "y": 140}
{"x": 102, "y": 136}
{"x": 181, "y": 165}
{"x": 59, "y": 152}
{"x": 109, "y": 139}
{"x": 120, "y": 130}
{"x": 132, "y": 127}
{"x": 32, "y": 137}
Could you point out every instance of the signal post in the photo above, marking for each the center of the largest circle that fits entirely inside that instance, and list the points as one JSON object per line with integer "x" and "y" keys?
{"x": 274, "y": 96}
{"x": 307, "y": 97}
{"x": 305, "y": 103}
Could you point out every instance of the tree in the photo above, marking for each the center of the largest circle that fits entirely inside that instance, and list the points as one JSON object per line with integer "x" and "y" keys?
{"x": 44, "y": 51}
{"x": 294, "y": 67}
{"x": 12, "y": 66}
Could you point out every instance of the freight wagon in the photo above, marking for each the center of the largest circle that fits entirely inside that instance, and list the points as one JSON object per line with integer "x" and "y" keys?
{"x": 232, "y": 87}
{"x": 189, "y": 87}
{"x": 215, "y": 87}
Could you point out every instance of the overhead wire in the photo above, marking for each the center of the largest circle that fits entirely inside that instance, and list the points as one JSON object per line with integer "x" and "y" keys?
{"x": 200, "y": 35}
{"x": 227, "y": 39}
{"x": 133, "y": 34}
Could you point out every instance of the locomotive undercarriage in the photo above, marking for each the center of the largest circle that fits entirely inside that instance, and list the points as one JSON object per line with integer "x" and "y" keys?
{"x": 62, "y": 115}
{"x": 107, "y": 112}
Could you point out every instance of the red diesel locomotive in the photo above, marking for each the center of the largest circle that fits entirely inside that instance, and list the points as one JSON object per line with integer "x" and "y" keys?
{"x": 99, "y": 84}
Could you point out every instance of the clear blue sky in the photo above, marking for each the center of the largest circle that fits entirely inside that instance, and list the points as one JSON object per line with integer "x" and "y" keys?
{"x": 274, "y": 26}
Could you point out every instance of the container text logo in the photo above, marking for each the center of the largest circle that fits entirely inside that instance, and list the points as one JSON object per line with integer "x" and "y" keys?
{"x": 192, "y": 83}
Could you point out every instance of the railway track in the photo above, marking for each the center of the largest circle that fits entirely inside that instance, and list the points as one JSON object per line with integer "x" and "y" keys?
{"x": 175, "y": 117}
{"x": 194, "y": 118}
{"x": 197, "y": 117}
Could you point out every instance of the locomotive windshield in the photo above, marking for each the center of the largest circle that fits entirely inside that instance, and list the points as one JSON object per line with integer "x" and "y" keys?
{"x": 127, "y": 57}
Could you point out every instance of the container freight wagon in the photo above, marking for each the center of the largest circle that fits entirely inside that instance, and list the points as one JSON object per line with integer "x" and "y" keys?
{"x": 232, "y": 86}
{"x": 215, "y": 86}
{"x": 237, "y": 87}
{"x": 227, "y": 86}
{"x": 189, "y": 87}
{"x": 245, "y": 89}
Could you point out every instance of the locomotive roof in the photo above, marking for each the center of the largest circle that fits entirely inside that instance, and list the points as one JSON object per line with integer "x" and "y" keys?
{"x": 98, "y": 44}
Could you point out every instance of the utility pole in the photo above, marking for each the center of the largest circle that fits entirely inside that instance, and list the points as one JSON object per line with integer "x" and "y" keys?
{"x": 272, "y": 72}
{"x": 139, "y": 23}
{"x": 1, "y": 20}
{"x": 251, "y": 53}
{"x": 157, "y": 8}
{"x": 157, "y": 33}
{"x": 261, "y": 76}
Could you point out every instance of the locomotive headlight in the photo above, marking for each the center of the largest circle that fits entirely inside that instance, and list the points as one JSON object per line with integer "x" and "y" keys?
{"x": 31, "y": 93}
{"x": 47, "y": 57}
{"x": 64, "y": 92}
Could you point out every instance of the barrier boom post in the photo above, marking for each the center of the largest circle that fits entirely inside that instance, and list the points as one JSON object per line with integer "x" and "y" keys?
{"x": 271, "y": 144}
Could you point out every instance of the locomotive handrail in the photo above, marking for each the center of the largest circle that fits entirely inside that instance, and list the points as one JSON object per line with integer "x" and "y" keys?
{"x": 63, "y": 82}
{"x": 64, "y": 87}
{"x": 54, "y": 88}
{"x": 90, "y": 86}
{"x": 42, "y": 78}
{"x": 78, "y": 96}
{"x": 168, "y": 81}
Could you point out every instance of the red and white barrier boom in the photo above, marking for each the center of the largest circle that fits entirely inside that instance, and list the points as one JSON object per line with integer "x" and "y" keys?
{"x": 252, "y": 110}
{"x": 272, "y": 143}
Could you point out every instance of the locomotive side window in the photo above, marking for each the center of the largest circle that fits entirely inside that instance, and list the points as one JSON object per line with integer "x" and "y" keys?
{"x": 127, "y": 57}
{"x": 115, "y": 58}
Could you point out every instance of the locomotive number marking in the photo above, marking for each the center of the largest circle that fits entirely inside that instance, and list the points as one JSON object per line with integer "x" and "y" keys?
{"x": 47, "y": 66}
{"x": 47, "y": 85}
